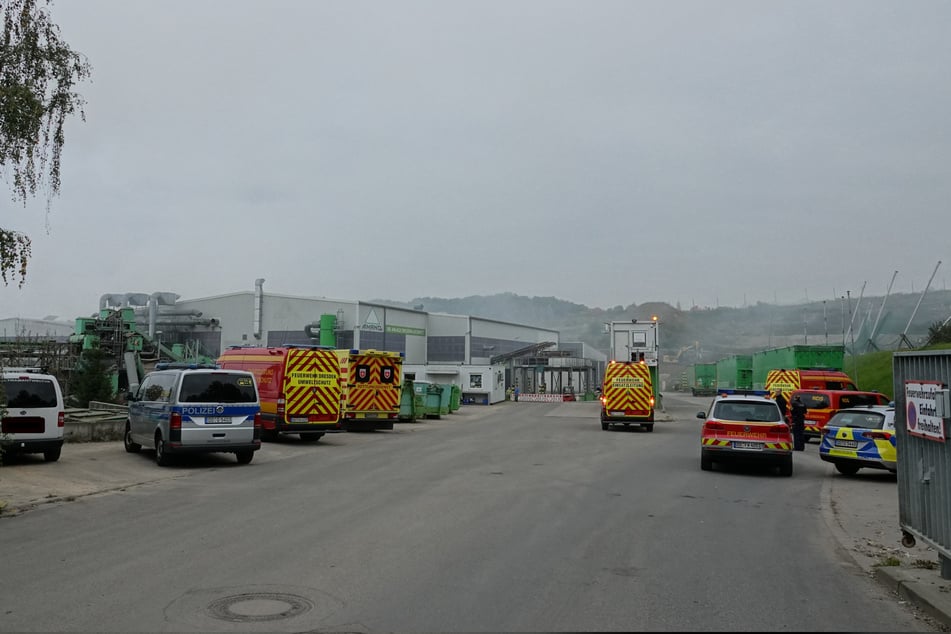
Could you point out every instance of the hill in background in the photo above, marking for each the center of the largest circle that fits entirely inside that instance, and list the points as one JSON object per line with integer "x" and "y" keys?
{"x": 709, "y": 334}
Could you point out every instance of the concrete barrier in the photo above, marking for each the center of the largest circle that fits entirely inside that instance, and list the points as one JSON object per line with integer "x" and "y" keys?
{"x": 101, "y": 422}
{"x": 94, "y": 431}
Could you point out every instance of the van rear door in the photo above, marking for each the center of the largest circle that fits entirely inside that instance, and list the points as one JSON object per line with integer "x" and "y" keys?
{"x": 311, "y": 386}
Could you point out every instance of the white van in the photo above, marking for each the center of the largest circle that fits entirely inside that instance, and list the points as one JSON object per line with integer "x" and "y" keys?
{"x": 34, "y": 414}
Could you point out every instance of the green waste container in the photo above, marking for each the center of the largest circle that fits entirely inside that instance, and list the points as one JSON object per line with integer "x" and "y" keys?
{"x": 455, "y": 399}
{"x": 408, "y": 411}
{"x": 431, "y": 396}
{"x": 445, "y": 397}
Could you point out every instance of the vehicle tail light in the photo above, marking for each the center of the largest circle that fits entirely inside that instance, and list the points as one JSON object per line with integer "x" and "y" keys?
{"x": 711, "y": 426}
{"x": 781, "y": 430}
{"x": 61, "y": 419}
{"x": 878, "y": 435}
{"x": 175, "y": 428}
{"x": 280, "y": 408}
{"x": 652, "y": 401}
{"x": 257, "y": 426}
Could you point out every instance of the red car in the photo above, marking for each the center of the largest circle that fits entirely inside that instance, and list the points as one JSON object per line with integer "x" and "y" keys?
{"x": 745, "y": 427}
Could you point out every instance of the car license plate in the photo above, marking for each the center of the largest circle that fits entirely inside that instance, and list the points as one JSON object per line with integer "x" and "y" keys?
{"x": 372, "y": 415}
{"x": 298, "y": 419}
{"x": 616, "y": 413}
{"x": 218, "y": 420}
{"x": 751, "y": 446}
{"x": 847, "y": 444}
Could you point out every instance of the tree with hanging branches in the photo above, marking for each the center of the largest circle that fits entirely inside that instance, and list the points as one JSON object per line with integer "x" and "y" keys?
{"x": 38, "y": 75}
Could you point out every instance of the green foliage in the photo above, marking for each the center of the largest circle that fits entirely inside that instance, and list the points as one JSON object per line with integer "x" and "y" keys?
{"x": 15, "y": 251}
{"x": 37, "y": 74}
{"x": 872, "y": 371}
{"x": 939, "y": 332}
{"x": 91, "y": 380}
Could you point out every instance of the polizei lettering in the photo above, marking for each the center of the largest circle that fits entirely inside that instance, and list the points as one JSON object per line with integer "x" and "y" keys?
{"x": 209, "y": 410}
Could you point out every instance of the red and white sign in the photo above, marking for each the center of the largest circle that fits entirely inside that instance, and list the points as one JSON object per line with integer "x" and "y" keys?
{"x": 921, "y": 412}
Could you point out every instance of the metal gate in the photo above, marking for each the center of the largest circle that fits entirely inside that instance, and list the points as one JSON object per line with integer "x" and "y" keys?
{"x": 921, "y": 381}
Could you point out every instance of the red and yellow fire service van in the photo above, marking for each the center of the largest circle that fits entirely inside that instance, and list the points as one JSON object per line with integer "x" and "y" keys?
{"x": 822, "y": 404}
{"x": 371, "y": 385}
{"x": 627, "y": 395}
{"x": 299, "y": 385}
{"x": 785, "y": 381}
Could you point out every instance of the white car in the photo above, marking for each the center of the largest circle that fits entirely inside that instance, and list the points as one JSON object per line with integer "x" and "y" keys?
{"x": 35, "y": 415}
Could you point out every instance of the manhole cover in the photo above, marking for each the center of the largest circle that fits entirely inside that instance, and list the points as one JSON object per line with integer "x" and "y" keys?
{"x": 253, "y": 607}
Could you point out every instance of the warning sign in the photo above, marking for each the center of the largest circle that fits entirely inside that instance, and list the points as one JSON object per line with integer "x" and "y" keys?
{"x": 921, "y": 410}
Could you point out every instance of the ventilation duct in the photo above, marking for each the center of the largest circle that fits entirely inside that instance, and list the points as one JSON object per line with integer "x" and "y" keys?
{"x": 258, "y": 306}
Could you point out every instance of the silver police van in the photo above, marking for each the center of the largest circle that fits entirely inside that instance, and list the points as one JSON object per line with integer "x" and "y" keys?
{"x": 181, "y": 408}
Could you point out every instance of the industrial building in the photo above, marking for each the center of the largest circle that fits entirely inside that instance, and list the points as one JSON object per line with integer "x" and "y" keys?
{"x": 484, "y": 357}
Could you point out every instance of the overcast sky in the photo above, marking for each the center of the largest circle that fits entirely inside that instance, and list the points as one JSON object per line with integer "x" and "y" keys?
{"x": 605, "y": 153}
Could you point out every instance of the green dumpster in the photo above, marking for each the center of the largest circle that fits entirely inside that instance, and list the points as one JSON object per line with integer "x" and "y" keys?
{"x": 431, "y": 395}
{"x": 445, "y": 397}
{"x": 408, "y": 412}
{"x": 455, "y": 399}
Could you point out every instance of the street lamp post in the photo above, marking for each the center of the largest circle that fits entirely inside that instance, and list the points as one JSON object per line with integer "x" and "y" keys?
{"x": 842, "y": 306}
{"x": 825, "y": 321}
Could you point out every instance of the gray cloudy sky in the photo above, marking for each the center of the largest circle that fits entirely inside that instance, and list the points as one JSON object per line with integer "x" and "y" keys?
{"x": 710, "y": 153}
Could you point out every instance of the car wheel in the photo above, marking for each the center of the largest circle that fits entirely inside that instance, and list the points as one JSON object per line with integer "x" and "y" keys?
{"x": 706, "y": 464}
{"x": 785, "y": 467}
{"x": 846, "y": 469}
{"x": 244, "y": 457}
{"x": 52, "y": 455}
{"x": 649, "y": 427}
{"x": 270, "y": 435}
{"x": 605, "y": 426}
{"x": 161, "y": 456}
{"x": 311, "y": 436}
{"x": 131, "y": 447}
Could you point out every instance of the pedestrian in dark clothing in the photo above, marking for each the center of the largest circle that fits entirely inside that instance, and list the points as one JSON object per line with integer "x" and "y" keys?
{"x": 798, "y": 415}
{"x": 515, "y": 393}
{"x": 781, "y": 401}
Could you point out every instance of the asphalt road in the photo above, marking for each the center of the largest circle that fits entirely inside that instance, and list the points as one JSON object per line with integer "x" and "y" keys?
{"x": 514, "y": 517}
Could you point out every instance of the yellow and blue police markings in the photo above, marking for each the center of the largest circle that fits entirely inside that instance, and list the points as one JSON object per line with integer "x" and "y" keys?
{"x": 861, "y": 447}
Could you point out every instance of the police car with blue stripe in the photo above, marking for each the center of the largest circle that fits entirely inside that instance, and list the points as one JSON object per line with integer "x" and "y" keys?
{"x": 182, "y": 408}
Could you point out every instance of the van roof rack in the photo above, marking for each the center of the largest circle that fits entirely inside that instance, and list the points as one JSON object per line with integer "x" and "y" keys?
{"x": 181, "y": 365}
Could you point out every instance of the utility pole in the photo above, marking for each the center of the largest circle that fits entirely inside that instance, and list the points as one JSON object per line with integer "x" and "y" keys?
{"x": 878, "y": 318}
{"x": 842, "y": 306}
{"x": 848, "y": 294}
{"x": 825, "y": 321}
{"x": 904, "y": 334}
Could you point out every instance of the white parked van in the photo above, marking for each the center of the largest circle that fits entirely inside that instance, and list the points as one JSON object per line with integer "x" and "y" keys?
{"x": 35, "y": 415}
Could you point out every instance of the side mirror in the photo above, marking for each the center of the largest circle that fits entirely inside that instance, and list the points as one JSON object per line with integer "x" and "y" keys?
{"x": 701, "y": 414}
